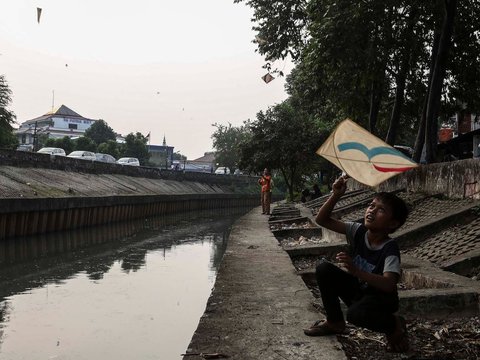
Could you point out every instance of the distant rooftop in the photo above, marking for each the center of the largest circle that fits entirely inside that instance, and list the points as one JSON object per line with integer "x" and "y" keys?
{"x": 63, "y": 111}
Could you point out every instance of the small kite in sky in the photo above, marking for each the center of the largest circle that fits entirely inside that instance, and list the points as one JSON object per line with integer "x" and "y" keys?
{"x": 362, "y": 155}
{"x": 39, "y": 14}
{"x": 267, "y": 78}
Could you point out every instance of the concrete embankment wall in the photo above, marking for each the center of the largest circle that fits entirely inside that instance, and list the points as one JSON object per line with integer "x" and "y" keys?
{"x": 39, "y": 193}
{"x": 456, "y": 179}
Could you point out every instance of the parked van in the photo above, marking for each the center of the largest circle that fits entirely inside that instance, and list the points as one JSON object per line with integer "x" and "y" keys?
{"x": 128, "y": 161}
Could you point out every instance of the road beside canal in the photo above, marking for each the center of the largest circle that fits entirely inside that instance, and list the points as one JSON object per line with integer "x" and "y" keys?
{"x": 259, "y": 306}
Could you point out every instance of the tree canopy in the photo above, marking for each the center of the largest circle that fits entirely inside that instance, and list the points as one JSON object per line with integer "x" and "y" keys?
{"x": 7, "y": 117}
{"x": 392, "y": 66}
{"x": 285, "y": 139}
{"x": 136, "y": 146}
{"x": 100, "y": 132}
{"x": 227, "y": 141}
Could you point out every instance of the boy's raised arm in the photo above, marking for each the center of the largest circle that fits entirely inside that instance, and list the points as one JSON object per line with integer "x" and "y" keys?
{"x": 324, "y": 216}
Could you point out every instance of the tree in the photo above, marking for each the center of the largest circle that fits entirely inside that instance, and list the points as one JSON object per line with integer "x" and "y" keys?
{"x": 7, "y": 117}
{"x": 437, "y": 79}
{"x": 110, "y": 147}
{"x": 136, "y": 146}
{"x": 227, "y": 140}
{"x": 66, "y": 144}
{"x": 85, "y": 143}
{"x": 285, "y": 139}
{"x": 100, "y": 132}
{"x": 178, "y": 156}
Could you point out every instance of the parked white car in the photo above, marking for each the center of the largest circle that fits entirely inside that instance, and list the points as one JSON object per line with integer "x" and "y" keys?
{"x": 52, "y": 151}
{"x": 128, "y": 161}
{"x": 84, "y": 155}
{"x": 222, "y": 170}
{"x": 107, "y": 158}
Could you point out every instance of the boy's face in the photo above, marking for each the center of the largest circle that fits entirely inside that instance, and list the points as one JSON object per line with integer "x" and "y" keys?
{"x": 379, "y": 217}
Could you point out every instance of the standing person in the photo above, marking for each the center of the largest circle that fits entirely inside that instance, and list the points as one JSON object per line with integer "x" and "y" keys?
{"x": 367, "y": 284}
{"x": 266, "y": 182}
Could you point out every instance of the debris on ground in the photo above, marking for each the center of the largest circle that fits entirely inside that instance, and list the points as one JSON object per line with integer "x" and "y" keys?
{"x": 286, "y": 226}
{"x": 303, "y": 240}
{"x": 444, "y": 339}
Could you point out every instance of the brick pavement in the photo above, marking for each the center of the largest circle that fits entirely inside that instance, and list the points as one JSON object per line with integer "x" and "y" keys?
{"x": 453, "y": 242}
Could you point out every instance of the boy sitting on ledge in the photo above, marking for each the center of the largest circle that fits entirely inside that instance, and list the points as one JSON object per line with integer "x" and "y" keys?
{"x": 367, "y": 284}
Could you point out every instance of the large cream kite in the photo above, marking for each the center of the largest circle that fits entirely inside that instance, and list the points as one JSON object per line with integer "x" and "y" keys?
{"x": 363, "y": 156}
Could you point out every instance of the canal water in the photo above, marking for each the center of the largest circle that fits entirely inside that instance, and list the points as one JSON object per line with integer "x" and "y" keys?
{"x": 126, "y": 291}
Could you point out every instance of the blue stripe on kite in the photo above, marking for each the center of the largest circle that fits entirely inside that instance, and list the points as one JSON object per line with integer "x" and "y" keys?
{"x": 379, "y": 150}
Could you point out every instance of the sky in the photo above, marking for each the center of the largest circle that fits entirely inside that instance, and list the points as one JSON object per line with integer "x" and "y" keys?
{"x": 165, "y": 67}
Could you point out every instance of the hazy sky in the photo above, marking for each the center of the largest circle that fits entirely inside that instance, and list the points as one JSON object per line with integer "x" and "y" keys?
{"x": 166, "y": 67}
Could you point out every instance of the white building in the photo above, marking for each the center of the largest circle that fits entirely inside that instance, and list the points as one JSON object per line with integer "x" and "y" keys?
{"x": 55, "y": 124}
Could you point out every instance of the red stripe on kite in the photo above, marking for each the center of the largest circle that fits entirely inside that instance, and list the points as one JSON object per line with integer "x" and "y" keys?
{"x": 384, "y": 169}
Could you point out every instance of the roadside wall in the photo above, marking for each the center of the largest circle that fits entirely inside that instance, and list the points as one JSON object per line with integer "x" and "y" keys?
{"x": 456, "y": 179}
{"x": 45, "y": 161}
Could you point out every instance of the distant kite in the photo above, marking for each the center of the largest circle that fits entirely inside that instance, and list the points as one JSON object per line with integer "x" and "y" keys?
{"x": 363, "y": 156}
{"x": 267, "y": 78}
{"x": 39, "y": 14}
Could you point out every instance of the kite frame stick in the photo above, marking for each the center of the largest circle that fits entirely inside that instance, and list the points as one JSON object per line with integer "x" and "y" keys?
{"x": 335, "y": 149}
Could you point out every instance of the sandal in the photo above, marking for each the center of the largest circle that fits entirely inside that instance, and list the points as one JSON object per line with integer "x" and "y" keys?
{"x": 398, "y": 341}
{"x": 322, "y": 328}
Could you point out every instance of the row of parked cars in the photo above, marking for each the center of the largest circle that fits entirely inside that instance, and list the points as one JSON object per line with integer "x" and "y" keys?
{"x": 88, "y": 155}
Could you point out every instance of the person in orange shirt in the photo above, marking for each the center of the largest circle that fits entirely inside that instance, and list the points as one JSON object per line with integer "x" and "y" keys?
{"x": 266, "y": 182}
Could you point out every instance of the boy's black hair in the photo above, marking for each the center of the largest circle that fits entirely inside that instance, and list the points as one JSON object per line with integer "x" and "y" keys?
{"x": 397, "y": 205}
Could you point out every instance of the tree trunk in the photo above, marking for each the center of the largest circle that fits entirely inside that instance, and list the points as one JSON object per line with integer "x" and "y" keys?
{"x": 288, "y": 183}
{"x": 397, "y": 106}
{"x": 420, "y": 140}
{"x": 375, "y": 100}
{"x": 435, "y": 93}
{"x": 401, "y": 79}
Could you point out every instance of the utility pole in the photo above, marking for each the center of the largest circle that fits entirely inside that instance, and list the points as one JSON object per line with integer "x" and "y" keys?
{"x": 35, "y": 137}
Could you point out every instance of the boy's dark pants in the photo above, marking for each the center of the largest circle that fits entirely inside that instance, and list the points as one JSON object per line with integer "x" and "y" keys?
{"x": 367, "y": 308}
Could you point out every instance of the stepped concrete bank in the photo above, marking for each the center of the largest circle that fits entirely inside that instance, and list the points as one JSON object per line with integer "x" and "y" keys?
{"x": 40, "y": 193}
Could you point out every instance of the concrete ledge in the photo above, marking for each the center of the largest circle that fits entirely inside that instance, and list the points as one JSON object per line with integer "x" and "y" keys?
{"x": 433, "y": 303}
{"x": 327, "y": 250}
{"x": 307, "y": 232}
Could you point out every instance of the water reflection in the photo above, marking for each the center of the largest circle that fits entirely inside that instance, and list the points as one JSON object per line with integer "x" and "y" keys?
{"x": 124, "y": 291}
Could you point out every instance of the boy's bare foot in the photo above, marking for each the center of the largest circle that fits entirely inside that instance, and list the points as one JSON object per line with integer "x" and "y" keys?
{"x": 324, "y": 328}
{"x": 398, "y": 340}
